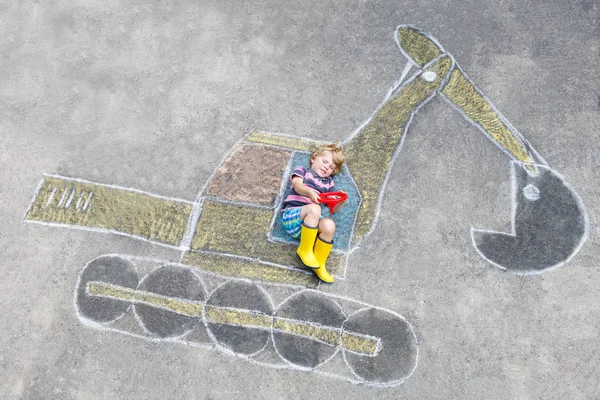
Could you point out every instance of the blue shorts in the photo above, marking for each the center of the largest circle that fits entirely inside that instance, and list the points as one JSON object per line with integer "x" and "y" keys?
{"x": 292, "y": 223}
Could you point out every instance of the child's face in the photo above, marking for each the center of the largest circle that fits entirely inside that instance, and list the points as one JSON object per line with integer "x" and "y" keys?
{"x": 323, "y": 164}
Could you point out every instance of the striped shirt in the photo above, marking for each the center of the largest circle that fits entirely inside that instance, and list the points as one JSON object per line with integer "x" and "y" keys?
{"x": 310, "y": 180}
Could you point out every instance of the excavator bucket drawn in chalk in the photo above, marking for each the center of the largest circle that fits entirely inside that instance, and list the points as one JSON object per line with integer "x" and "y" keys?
{"x": 234, "y": 252}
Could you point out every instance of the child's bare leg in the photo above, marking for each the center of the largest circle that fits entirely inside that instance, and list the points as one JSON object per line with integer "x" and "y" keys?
{"x": 326, "y": 229}
{"x": 310, "y": 214}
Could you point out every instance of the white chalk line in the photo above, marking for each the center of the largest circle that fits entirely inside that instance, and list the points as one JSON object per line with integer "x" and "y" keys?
{"x": 135, "y": 293}
{"x": 513, "y": 232}
{"x": 188, "y": 236}
{"x": 119, "y": 188}
{"x": 283, "y": 187}
{"x": 215, "y": 344}
{"x": 403, "y": 137}
{"x": 238, "y": 203}
{"x": 414, "y": 336}
{"x": 515, "y": 133}
{"x": 192, "y": 326}
{"x": 62, "y": 198}
{"x": 81, "y": 196}
{"x": 216, "y": 341}
{"x": 252, "y": 261}
{"x": 405, "y": 72}
{"x": 87, "y": 202}
{"x": 404, "y": 53}
{"x": 51, "y": 196}
{"x": 279, "y": 201}
{"x": 68, "y": 203}
{"x": 101, "y": 230}
{"x": 336, "y": 349}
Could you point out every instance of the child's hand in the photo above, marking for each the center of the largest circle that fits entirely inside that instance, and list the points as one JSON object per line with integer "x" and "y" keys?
{"x": 314, "y": 197}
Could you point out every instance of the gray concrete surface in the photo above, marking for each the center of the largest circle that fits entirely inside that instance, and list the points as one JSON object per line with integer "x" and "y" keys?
{"x": 152, "y": 95}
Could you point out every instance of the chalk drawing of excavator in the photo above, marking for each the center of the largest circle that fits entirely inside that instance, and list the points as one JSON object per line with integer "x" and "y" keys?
{"x": 234, "y": 255}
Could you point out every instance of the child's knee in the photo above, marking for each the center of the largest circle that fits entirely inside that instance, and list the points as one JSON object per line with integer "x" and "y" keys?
{"x": 327, "y": 225}
{"x": 313, "y": 209}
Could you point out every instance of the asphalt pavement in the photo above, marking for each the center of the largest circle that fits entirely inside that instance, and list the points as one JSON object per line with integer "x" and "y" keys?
{"x": 148, "y": 99}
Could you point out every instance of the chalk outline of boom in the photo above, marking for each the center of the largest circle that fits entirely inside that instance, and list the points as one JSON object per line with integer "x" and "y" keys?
{"x": 437, "y": 73}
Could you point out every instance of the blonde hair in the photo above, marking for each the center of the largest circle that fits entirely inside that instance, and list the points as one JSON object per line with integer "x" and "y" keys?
{"x": 337, "y": 153}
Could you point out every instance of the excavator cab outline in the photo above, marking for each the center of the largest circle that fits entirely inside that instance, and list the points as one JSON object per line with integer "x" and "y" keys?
{"x": 228, "y": 237}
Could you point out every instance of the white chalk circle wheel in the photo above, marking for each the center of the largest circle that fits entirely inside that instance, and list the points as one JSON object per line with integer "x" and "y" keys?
{"x": 397, "y": 354}
{"x": 179, "y": 286}
{"x": 98, "y": 273}
{"x": 307, "y": 308}
{"x": 429, "y": 76}
{"x": 239, "y": 302}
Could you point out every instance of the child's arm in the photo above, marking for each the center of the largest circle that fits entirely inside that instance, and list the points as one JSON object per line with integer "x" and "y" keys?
{"x": 303, "y": 190}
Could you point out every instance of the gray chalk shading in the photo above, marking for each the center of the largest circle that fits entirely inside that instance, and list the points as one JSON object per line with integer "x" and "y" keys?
{"x": 549, "y": 225}
{"x": 155, "y": 310}
{"x": 240, "y": 295}
{"x": 312, "y": 308}
{"x": 111, "y": 270}
{"x": 396, "y": 360}
{"x": 172, "y": 282}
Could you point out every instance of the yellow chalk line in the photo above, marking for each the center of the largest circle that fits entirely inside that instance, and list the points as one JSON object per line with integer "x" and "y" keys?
{"x": 242, "y": 268}
{"x": 179, "y": 306}
{"x": 98, "y": 206}
{"x": 355, "y": 342}
{"x": 282, "y": 141}
{"x": 461, "y": 91}
{"x": 371, "y": 151}
{"x": 417, "y": 45}
{"x": 241, "y": 231}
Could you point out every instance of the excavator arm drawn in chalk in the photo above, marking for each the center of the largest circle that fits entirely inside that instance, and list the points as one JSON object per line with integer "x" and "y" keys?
{"x": 235, "y": 238}
{"x": 549, "y": 221}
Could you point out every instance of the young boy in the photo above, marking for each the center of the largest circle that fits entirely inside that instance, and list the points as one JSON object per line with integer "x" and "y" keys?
{"x": 301, "y": 210}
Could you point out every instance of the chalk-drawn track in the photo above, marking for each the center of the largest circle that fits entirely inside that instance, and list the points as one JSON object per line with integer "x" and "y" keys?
{"x": 169, "y": 282}
{"x": 236, "y": 235}
{"x": 111, "y": 270}
{"x": 306, "y": 330}
{"x": 249, "y": 298}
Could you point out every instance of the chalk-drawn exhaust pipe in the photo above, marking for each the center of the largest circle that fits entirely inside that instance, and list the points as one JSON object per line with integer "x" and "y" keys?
{"x": 306, "y": 331}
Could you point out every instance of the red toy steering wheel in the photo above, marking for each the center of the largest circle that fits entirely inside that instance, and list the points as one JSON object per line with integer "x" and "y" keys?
{"x": 332, "y": 199}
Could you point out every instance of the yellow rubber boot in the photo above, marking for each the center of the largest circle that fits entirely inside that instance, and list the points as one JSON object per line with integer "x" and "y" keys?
{"x": 305, "y": 249}
{"x": 321, "y": 250}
